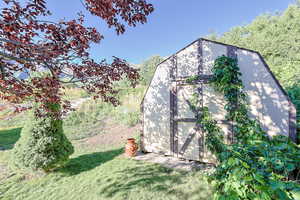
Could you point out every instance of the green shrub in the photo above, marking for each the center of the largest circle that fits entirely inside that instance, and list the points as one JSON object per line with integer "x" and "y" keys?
{"x": 128, "y": 113}
{"x": 92, "y": 116}
{"x": 87, "y": 120}
{"x": 128, "y": 118}
{"x": 294, "y": 94}
{"x": 42, "y": 145}
{"x": 147, "y": 69}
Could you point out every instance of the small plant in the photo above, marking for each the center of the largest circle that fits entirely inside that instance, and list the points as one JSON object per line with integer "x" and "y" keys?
{"x": 130, "y": 118}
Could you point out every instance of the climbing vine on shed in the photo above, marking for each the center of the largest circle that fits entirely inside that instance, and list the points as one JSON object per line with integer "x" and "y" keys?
{"x": 254, "y": 166}
{"x": 226, "y": 80}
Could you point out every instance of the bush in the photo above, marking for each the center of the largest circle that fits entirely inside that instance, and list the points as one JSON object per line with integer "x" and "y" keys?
{"x": 294, "y": 94}
{"x": 87, "y": 120}
{"x": 128, "y": 118}
{"x": 42, "y": 145}
{"x": 147, "y": 69}
{"x": 258, "y": 171}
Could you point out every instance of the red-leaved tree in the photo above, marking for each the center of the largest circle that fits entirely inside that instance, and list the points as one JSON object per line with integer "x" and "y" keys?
{"x": 29, "y": 43}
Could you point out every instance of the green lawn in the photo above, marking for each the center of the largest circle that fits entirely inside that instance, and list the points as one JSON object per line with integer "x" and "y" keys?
{"x": 8, "y": 137}
{"x": 96, "y": 174}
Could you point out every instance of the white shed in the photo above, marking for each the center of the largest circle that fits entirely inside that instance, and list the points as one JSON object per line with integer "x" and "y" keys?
{"x": 169, "y": 124}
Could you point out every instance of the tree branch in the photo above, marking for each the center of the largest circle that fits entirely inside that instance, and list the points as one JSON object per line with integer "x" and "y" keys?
{"x": 22, "y": 44}
{"x": 11, "y": 57}
{"x": 2, "y": 72}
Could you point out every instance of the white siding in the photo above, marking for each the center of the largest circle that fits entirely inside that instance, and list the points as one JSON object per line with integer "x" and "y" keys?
{"x": 211, "y": 99}
{"x": 215, "y": 102}
{"x": 187, "y": 61}
{"x": 211, "y": 51}
{"x": 184, "y": 94}
{"x": 157, "y": 112}
{"x": 267, "y": 102}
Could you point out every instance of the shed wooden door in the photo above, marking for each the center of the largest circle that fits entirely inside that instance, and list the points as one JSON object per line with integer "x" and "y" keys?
{"x": 187, "y": 140}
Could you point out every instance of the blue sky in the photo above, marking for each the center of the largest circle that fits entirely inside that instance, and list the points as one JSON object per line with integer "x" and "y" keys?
{"x": 171, "y": 26}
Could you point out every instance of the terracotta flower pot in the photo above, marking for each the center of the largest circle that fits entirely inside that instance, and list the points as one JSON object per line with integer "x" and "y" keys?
{"x": 131, "y": 147}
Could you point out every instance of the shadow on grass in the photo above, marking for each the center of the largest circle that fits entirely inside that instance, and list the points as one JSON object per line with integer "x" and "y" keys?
{"x": 88, "y": 161}
{"x": 157, "y": 180}
{"x": 9, "y": 137}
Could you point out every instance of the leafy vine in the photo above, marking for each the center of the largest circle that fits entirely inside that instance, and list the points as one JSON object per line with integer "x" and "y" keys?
{"x": 254, "y": 166}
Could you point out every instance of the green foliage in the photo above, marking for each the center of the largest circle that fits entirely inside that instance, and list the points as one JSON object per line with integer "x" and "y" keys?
{"x": 88, "y": 113}
{"x": 147, "y": 69}
{"x": 226, "y": 80}
{"x": 255, "y": 166}
{"x": 294, "y": 94}
{"x": 257, "y": 170}
{"x": 128, "y": 113}
{"x": 214, "y": 137}
{"x": 87, "y": 120}
{"x": 128, "y": 118}
{"x": 146, "y": 72}
{"x": 42, "y": 145}
{"x": 91, "y": 116}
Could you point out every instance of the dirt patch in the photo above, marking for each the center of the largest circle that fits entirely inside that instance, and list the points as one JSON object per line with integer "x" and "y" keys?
{"x": 5, "y": 172}
{"x": 113, "y": 135}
